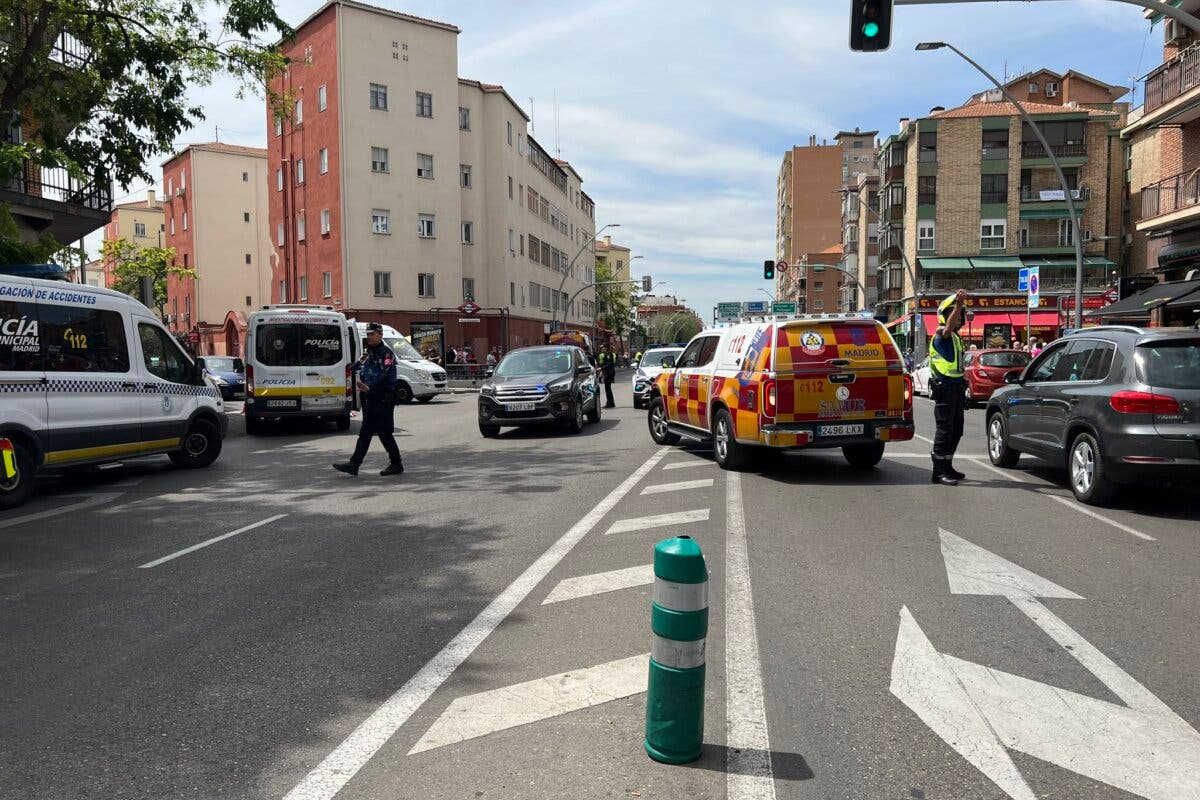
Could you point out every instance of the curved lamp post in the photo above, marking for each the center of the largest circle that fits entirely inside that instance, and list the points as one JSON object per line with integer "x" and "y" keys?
{"x": 591, "y": 241}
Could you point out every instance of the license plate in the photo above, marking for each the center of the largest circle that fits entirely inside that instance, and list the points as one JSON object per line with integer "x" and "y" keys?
{"x": 520, "y": 406}
{"x": 281, "y": 404}
{"x": 839, "y": 430}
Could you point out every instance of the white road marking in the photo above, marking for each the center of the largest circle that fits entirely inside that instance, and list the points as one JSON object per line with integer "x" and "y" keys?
{"x": 588, "y": 585}
{"x": 500, "y": 709}
{"x": 1013, "y": 476}
{"x": 1142, "y": 747}
{"x": 750, "y": 774}
{"x": 658, "y": 521}
{"x": 686, "y": 464}
{"x": 922, "y": 438}
{"x": 208, "y": 542}
{"x": 328, "y": 778}
{"x": 97, "y": 499}
{"x": 680, "y": 486}
{"x": 926, "y": 455}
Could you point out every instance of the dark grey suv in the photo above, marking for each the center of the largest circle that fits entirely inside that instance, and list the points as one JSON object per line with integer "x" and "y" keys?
{"x": 1113, "y": 404}
{"x": 540, "y": 386}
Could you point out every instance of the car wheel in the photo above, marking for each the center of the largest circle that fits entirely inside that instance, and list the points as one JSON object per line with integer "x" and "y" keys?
{"x": 1085, "y": 467}
{"x": 201, "y": 446}
{"x": 343, "y": 422}
{"x": 593, "y": 416}
{"x": 657, "y": 419}
{"x": 575, "y": 423}
{"x": 999, "y": 452}
{"x": 426, "y": 399}
{"x": 404, "y": 393}
{"x": 863, "y": 456}
{"x": 489, "y": 431}
{"x": 728, "y": 453}
{"x": 16, "y": 490}
{"x": 968, "y": 398}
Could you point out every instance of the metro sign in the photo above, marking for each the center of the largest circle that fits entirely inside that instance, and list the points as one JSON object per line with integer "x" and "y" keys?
{"x": 469, "y": 308}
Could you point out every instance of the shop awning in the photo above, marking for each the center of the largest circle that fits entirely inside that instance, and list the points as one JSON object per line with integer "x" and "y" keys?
{"x": 1142, "y": 303}
{"x": 1177, "y": 253}
{"x": 898, "y": 321}
{"x": 945, "y": 264}
{"x": 1038, "y": 319}
{"x": 997, "y": 262}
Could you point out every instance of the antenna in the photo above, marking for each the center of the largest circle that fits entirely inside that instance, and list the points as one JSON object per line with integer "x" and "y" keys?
{"x": 217, "y": 132}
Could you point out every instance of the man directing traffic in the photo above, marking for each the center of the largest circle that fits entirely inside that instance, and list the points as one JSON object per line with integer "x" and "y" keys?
{"x": 947, "y": 387}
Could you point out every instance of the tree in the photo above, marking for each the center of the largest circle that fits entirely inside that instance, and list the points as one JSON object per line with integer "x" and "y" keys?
{"x": 677, "y": 327}
{"x": 612, "y": 302}
{"x": 132, "y": 263}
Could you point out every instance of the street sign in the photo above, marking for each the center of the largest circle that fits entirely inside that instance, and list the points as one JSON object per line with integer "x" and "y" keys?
{"x": 781, "y": 266}
{"x": 729, "y": 312}
{"x": 783, "y": 308}
{"x": 1023, "y": 280}
{"x": 468, "y": 308}
{"x": 1034, "y": 287}
{"x": 754, "y": 307}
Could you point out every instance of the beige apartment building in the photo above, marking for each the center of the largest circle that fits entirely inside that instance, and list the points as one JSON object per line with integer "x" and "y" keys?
{"x": 399, "y": 191}
{"x": 139, "y": 223}
{"x": 860, "y": 244}
{"x": 615, "y": 256}
{"x": 215, "y": 216}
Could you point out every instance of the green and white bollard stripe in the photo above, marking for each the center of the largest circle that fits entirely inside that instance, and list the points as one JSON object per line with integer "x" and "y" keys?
{"x": 679, "y": 621}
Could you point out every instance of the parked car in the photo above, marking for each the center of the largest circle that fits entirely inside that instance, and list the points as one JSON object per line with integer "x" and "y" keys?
{"x": 649, "y": 368}
{"x": 228, "y": 373}
{"x": 540, "y": 386}
{"x": 986, "y": 370}
{"x": 1112, "y": 404}
{"x": 920, "y": 378}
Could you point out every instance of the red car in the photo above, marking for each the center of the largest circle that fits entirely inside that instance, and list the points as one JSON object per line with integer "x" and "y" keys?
{"x": 986, "y": 368}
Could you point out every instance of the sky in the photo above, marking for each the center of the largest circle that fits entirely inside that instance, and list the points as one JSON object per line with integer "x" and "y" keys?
{"x": 677, "y": 113}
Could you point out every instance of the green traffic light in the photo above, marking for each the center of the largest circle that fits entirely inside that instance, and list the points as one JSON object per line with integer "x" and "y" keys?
{"x": 870, "y": 30}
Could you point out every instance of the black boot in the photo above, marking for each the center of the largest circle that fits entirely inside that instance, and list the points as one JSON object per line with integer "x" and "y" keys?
{"x": 348, "y": 467}
{"x": 953, "y": 473}
{"x": 940, "y": 475}
{"x": 395, "y": 468}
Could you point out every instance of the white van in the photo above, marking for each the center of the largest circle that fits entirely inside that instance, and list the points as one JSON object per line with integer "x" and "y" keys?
{"x": 416, "y": 376}
{"x": 298, "y": 364}
{"x": 88, "y": 376}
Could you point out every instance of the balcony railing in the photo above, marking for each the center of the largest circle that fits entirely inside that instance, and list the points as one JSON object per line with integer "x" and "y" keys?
{"x": 1172, "y": 79}
{"x": 894, "y": 293}
{"x": 1053, "y": 194}
{"x": 56, "y": 184}
{"x": 1033, "y": 240}
{"x": 850, "y": 246}
{"x": 1035, "y": 150}
{"x": 1171, "y": 194}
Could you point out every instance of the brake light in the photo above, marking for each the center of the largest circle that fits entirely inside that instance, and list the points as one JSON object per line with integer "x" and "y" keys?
{"x": 1144, "y": 403}
{"x": 908, "y": 392}
{"x": 769, "y": 398}
{"x": 249, "y": 382}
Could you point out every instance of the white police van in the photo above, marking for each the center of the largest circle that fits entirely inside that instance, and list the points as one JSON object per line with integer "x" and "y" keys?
{"x": 298, "y": 365}
{"x": 89, "y": 376}
{"x": 416, "y": 376}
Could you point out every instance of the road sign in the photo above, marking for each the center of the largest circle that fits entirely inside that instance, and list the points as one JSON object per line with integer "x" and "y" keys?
{"x": 729, "y": 312}
{"x": 1138, "y": 745}
{"x": 1034, "y": 287}
{"x": 1023, "y": 280}
{"x": 754, "y": 307}
{"x": 468, "y": 308}
{"x": 781, "y": 266}
{"x": 783, "y": 308}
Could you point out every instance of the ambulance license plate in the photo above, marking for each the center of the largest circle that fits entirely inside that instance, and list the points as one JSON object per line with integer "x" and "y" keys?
{"x": 281, "y": 404}
{"x": 520, "y": 406}
{"x": 839, "y": 430}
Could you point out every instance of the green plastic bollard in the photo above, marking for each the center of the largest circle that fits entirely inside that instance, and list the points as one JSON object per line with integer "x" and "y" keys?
{"x": 679, "y": 620}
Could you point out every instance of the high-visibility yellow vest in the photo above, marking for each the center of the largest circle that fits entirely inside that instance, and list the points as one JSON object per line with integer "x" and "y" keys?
{"x": 943, "y": 367}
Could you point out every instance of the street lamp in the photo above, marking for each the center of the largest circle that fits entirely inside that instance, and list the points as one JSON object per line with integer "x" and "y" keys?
{"x": 1062, "y": 179}
{"x": 592, "y": 241}
{"x": 768, "y": 294}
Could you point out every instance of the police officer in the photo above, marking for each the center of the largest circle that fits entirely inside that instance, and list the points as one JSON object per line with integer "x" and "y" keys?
{"x": 608, "y": 363}
{"x": 377, "y": 382}
{"x": 947, "y": 386}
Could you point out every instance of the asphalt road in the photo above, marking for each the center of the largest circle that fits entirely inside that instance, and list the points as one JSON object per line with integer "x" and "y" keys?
{"x": 478, "y": 627}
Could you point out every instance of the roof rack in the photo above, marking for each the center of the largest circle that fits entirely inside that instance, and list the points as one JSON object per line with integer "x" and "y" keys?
{"x": 282, "y": 306}
{"x": 1094, "y": 328}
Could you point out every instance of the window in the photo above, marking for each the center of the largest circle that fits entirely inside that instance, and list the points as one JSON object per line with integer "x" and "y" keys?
{"x": 512, "y": 241}
{"x": 425, "y": 228}
{"x": 464, "y": 119}
{"x": 292, "y": 345}
{"x": 464, "y": 175}
{"x": 279, "y": 234}
{"x": 383, "y": 284}
{"x": 379, "y": 159}
{"x": 379, "y": 96}
{"x": 509, "y": 128}
{"x": 170, "y": 186}
{"x": 1051, "y": 88}
{"x": 279, "y": 179}
{"x": 927, "y": 189}
{"x": 245, "y": 216}
{"x": 139, "y": 229}
{"x": 282, "y": 299}
{"x": 1033, "y": 87}
{"x": 245, "y": 177}
{"x": 323, "y": 160}
{"x": 300, "y": 227}
{"x": 62, "y": 339}
{"x": 510, "y": 191}
{"x": 1101, "y": 361}
{"x": 303, "y": 287}
{"x": 818, "y": 286}
{"x": 1166, "y": 364}
{"x": 299, "y": 117}
{"x": 991, "y": 234}
{"x": 928, "y": 146}
{"x": 535, "y": 299}
{"x": 326, "y": 284}
{"x": 1043, "y": 368}
{"x": 424, "y": 104}
{"x": 425, "y": 284}
{"x": 185, "y": 220}
{"x": 468, "y": 233}
{"x": 857, "y": 144}
{"x": 534, "y": 248}
{"x": 512, "y": 294}
{"x": 381, "y": 221}
{"x": 468, "y": 288}
{"x": 326, "y": 221}
{"x": 248, "y": 258}
{"x": 925, "y": 237}
{"x": 278, "y": 129}
{"x": 818, "y": 304}
{"x": 182, "y": 179}
{"x": 424, "y": 165}
{"x": 993, "y": 188}
{"x": 163, "y": 357}
{"x": 321, "y": 97}
{"x": 299, "y": 171}
{"x": 185, "y": 266}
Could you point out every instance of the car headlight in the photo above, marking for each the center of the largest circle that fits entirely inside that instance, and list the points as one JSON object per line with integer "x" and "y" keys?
{"x": 561, "y": 386}
{"x": 218, "y": 380}
{"x": 423, "y": 375}
{"x": 487, "y": 390}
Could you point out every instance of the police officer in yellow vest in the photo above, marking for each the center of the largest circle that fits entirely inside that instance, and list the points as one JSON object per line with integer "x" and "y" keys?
{"x": 947, "y": 383}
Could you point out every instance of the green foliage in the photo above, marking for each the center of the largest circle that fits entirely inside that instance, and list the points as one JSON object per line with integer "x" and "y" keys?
{"x": 131, "y": 263}
{"x": 102, "y": 83}
{"x": 613, "y": 308}
{"x": 678, "y": 327}
{"x": 46, "y": 250}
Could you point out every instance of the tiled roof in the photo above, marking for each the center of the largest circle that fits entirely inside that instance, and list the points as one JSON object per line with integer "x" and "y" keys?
{"x": 1007, "y": 109}
{"x": 837, "y": 248}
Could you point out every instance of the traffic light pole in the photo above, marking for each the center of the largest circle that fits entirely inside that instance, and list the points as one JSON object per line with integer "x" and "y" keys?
{"x": 1165, "y": 9}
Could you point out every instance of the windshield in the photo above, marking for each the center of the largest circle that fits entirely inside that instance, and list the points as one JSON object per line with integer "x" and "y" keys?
{"x": 534, "y": 362}
{"x": 653, "y": 358}
{"x": 1004, "y": 359}
{"x": 402, "y": 348}
{"x": 294, "y": 345}
{"x": 1170, "y": 365}
{"x": 215, "y": 364}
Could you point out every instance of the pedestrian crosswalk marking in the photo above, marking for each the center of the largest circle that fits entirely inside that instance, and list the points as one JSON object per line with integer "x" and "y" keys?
{"x": 587, "y": 585}
{"x": 658, "y": 521}
{"x": 686, "y": 464}
{"x": 678, "y": 487}
{"x": 520, "y": 704}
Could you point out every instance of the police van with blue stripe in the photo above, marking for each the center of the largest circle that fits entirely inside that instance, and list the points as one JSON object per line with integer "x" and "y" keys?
{"x": 88, "y": 376}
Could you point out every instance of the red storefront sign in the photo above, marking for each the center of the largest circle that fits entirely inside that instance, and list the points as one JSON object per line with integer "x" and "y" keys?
{"x": 996, "y": 301}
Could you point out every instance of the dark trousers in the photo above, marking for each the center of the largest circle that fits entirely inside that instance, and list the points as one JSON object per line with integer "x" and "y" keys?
{"x": 609, "y": 402}
{"x": 948, "y": 405}
{"x": 364, "y": 443}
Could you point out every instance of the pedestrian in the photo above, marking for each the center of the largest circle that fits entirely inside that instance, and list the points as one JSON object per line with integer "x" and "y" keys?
{"x": 1034, "y": 347}
{"x": 376, "y": 380}
{"x": 608, "y": 363}
{"x": 947, "y": 383}
{"x": 910, "y": 360}
{"x": 491, "y": 357}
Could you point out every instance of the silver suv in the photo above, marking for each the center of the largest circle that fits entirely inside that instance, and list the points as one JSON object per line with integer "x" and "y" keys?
{"x": 1114, "y": 404}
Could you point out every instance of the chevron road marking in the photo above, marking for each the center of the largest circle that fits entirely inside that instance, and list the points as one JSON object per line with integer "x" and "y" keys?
{"x": 588, "y": 585}
{"x": 658, "y": 521}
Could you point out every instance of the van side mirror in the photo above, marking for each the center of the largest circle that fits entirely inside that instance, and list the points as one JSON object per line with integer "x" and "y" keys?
{"x": 1012, "y": 376}
{"x": 668, "y": 362}
{"x": 239, "y": 365}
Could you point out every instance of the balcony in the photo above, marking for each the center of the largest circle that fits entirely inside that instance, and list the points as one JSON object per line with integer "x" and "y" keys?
{"x": 1171, "y": 200}
{"x": 49, "y": 200}
{"x": 1172, "y": 79}
{"x": 891, "y": 295}
{"x": 1035, "y": 150}
{"x": 850, "y": 246}
{"x": 1053, "y": 242}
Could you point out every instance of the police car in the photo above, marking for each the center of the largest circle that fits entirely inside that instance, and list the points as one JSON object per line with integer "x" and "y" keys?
{"x": 88, "y": 376}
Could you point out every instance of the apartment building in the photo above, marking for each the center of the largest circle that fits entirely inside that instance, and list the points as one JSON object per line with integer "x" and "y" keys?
{"x": 860, "y": 244}
{"x": 1068, "y": 88}
{"x": 399, "y": 191}
{"x": 813, "y": 282}
{"x": 140, "y": 223}
{"x": 968, "y": 197}
{"x": 616, "y": 256}
{"x": 215, "y": 216}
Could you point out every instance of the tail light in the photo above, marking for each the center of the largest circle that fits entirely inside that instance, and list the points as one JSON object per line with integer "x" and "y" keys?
{"x": 349, "y": 380}
{"x": 1144, "y": 403}
{"x": 769, "y": 398}
{"x": 908, "y": 393}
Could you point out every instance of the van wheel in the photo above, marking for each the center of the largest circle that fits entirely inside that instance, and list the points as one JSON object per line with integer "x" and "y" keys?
{"x": 404, "y": 393}
{"x": 657, "y": 419}
{"x": 728, "y": 453}
{"x": 424, "y": 400}
{"x": 201, "y": 445}
{"x": 343, "y": 422}
{"x": 16, "y": 490}
{"x": 863, "y": 456}
{"x": 1085, "y": 467}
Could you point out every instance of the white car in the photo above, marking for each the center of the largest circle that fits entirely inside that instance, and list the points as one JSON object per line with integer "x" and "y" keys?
{"x": 417, "y": 378}
{"x": 920, "y": 378}
{"x": 648, "y": 369}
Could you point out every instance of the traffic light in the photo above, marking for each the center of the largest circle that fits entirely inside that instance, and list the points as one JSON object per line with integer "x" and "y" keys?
{"x": 870, "y": 25}
{"x": 768, "y": 270}
{"x": 646, "y": 284}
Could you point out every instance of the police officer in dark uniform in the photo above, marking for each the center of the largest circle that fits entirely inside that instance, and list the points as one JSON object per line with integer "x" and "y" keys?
{"x": 947, "y": 386}
{"x": 608, "y": 363}
{"x": 376, "y": 378}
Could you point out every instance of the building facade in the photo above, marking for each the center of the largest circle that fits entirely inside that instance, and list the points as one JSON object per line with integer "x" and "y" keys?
{"x": 139, "y": 223}
{"x": 215, "y": 216}
{"x": 399, "y": 191}
{"x": 860, "y": 244}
